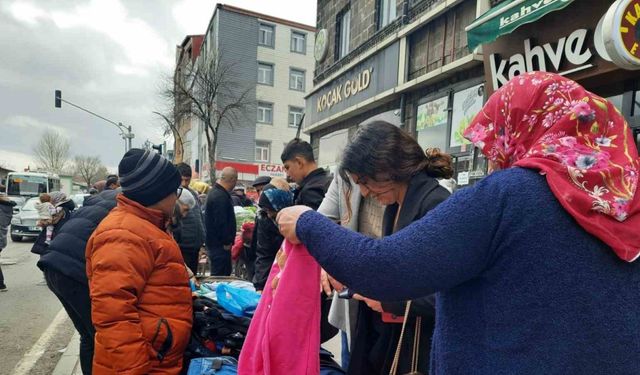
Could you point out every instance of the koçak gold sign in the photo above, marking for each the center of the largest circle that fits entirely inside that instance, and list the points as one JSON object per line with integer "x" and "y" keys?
{"x": 343, "y": 91}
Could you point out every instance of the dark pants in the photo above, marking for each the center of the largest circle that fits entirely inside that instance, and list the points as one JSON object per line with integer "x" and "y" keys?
{"x": 190, "y": 257}
{"x": 345, "y": 350}
{"x": 220, "y": 260}
{"x": 1, "y": 275}
{"x": 74, "y": 297}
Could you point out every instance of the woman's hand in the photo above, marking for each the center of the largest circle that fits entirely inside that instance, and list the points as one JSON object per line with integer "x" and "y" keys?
{"x": 373, "y": 304}
{"x": 287, "y": 220}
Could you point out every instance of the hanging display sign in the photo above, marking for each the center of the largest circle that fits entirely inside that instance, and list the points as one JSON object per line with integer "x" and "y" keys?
{"x": 548, "y": 57}
{"x": 466, "y": 104}
{"x": 432, "y": 114}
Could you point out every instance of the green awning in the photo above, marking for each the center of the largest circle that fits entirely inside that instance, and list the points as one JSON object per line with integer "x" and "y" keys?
{"x": 508, "y": 16}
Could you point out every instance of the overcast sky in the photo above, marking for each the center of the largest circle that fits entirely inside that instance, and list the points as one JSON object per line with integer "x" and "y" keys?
{"x": 105, "y": 55}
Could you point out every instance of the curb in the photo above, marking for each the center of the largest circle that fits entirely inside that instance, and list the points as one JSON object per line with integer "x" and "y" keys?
{"x": 69, "y": 363}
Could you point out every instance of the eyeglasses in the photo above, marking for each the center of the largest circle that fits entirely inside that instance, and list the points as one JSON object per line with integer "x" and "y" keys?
{"x": 179, "y": 192}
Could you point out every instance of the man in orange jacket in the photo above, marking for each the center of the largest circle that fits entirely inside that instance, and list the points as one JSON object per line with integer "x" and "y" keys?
{"x": 139, "y": 286}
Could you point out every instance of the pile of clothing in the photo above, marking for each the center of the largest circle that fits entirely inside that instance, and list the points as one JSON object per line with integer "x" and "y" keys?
{"x": 222, "y": 314}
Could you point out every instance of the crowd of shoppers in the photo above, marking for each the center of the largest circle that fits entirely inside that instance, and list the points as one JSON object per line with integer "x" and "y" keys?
{"x": 531, "y": 270}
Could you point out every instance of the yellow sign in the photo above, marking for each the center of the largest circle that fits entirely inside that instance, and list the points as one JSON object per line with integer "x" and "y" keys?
{"x": 341, "y": 92}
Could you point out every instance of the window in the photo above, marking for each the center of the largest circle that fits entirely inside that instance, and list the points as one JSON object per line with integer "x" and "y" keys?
{"x": 265, "y": 113}
{"x": 386, "y": 12}
{"x": 296, "y": 79}
{"x": 265, "y": 35}
{"x": 263, "y": 151}
{"x": 265, "y": 74}
{"x": 343, "y": 33}
{"x": 298, "y": 42}
{"x": 295, "y": 115}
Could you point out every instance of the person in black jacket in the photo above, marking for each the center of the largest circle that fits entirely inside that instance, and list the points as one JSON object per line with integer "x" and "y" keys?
{"x": 192, "y": 231}
{"x": 58, "y": 199}
{"x": 404, "y": 178}
{"x": 239, "y": 197}
{"x": 6, "y": 213}
{"x": 64, "y": 268}
{"x": 268, "y": 238}
{"x": 313, "y": 183}
{"x": 220, "y": 223}
{"x": 301, "y": 167}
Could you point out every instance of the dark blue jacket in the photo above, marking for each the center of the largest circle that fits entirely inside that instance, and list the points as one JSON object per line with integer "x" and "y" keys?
{"x": 66, "y": 253}
{"x": 522, "y": 288}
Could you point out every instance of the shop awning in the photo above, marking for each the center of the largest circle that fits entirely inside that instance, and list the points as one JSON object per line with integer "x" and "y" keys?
{"x": 508, "y": 16}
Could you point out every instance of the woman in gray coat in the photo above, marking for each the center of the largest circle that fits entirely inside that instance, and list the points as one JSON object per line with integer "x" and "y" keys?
{"x": 6, "y": 213}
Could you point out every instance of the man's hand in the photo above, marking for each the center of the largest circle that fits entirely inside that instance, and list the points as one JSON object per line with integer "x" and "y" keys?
{"x": 373, "y": 304}
{"x": 227, "y": 247}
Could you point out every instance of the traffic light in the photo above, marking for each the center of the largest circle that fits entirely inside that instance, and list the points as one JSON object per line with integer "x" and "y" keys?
{"x": 58, "y": 95}
{"x": 157, "y": 148}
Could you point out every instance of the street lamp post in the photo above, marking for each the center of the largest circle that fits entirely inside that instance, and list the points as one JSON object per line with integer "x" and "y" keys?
{"x": 125, "y": 131}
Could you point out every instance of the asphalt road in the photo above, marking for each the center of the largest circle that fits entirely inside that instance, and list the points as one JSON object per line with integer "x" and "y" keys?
{"x": 34, "y": 329}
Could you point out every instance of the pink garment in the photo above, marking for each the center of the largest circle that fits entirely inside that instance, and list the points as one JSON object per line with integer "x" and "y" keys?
{"x": 284, "y": 336}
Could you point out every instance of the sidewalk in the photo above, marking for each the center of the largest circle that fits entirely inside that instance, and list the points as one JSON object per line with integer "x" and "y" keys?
{"x": 69, "y": 363}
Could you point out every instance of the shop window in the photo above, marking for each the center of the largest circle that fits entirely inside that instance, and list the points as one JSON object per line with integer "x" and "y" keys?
{"x": 343, "y": 33}
{"x": 295, "y": 116}
{"x": 296, "y": 79}
{"x": 266, "y": 35}
{"x": 263, "y": 151}
{"x": 265, "y": 74}
{"x": 432, "y": 119}
{"x": 466, "y": 105}
{"x": 265, "y": 113}
{"x": 298, "y": 42}
{"x": 386, "y": 10}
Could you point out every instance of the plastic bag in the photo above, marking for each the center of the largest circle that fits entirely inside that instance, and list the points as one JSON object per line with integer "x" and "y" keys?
{"x": 237, "y": 301}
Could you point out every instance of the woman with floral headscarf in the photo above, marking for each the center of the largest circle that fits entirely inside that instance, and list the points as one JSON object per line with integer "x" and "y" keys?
{"x": 533, "y": 266}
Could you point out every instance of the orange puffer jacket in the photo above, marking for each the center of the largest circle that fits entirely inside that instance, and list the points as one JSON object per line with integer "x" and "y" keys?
{"x": 140, "y": 297}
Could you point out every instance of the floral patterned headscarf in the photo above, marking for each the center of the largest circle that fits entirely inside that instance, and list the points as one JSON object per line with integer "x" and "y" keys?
{"x": 579, "y": 141}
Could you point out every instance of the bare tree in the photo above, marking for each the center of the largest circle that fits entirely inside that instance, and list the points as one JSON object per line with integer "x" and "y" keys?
{"x": 210, "y": 91}
{"x": 52, "y": 151}
{"x": 88, "y": 168}
{"x": 171, "y": 126}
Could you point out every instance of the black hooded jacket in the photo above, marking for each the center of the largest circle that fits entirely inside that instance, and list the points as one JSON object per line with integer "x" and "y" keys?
{"x": 66, "y": 253}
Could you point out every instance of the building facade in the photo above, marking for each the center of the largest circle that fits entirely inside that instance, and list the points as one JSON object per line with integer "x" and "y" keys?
{"x": 186, "y": 55}
{"x": 593, "y": 42}
{"x": 403, "y": 61}
{"x": 272, "y": 61}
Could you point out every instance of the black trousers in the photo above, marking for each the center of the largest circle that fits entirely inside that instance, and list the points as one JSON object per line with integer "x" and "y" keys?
{"x": 190, "y": 257}
{"x": 1, "y": 275}
{"x": 220, "y": 260}
{"x": 74, "y": 297}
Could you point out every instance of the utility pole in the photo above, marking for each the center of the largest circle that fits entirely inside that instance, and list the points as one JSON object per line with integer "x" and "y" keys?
{"x": 125, "y": 131}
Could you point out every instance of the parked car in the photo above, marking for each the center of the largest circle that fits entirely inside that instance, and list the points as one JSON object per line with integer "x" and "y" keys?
{"x": 24, "y": 222}
{"x": 78, "y": 199}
